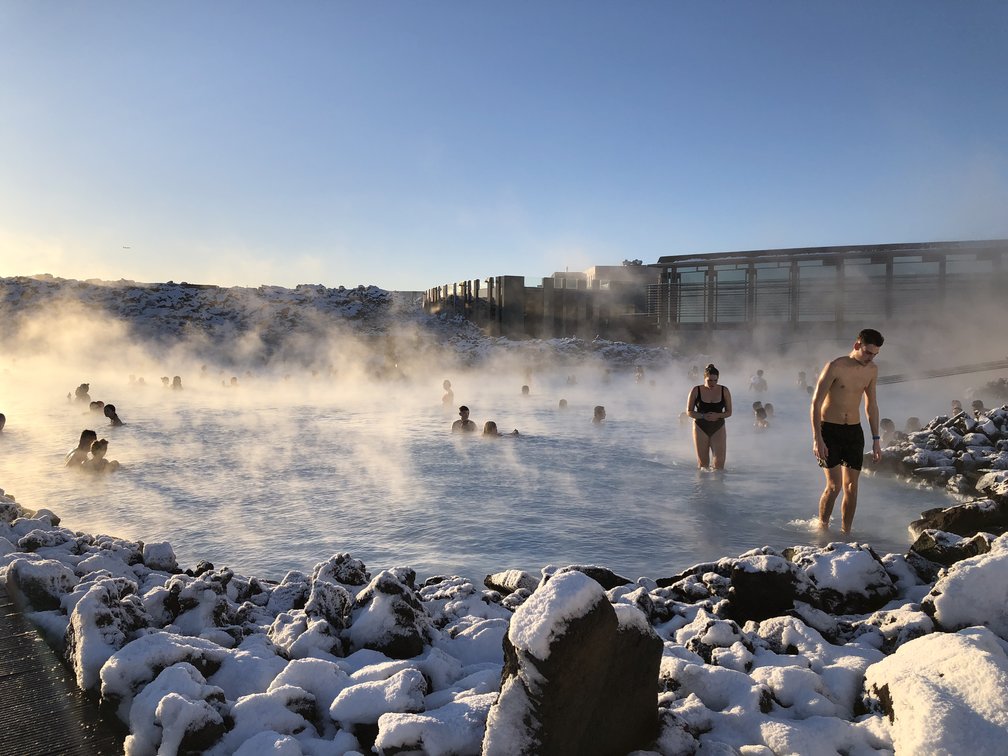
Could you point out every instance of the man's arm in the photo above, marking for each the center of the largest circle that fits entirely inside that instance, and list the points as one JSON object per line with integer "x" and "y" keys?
{"x": 822, "y": 387}
{"x": 872, "y": 411}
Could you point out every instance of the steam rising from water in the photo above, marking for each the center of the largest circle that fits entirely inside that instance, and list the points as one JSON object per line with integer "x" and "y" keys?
{"x": 293, "y": 465}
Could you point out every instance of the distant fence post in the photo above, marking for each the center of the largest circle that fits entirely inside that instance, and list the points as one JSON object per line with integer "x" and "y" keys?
{"x": 512, "y": 306}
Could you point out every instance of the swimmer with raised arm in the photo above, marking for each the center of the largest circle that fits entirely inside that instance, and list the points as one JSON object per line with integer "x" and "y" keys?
{"x": 837, "y": 437}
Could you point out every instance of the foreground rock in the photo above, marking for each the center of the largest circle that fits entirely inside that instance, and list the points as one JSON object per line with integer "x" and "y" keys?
{"x": 944, "y": 694}
{"x": 580, "y": 677}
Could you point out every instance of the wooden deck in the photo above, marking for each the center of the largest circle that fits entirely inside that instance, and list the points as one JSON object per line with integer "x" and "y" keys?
{"x": 42, "y": 711}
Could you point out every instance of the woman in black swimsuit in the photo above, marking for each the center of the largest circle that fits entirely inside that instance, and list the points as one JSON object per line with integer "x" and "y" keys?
{"x": 709, "y": 405}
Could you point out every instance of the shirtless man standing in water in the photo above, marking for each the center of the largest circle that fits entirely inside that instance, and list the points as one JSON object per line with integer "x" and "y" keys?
{"x": 837, "y": 438}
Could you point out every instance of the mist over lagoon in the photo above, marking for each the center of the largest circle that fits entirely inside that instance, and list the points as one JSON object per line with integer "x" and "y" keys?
{"x": 279, "y": 473}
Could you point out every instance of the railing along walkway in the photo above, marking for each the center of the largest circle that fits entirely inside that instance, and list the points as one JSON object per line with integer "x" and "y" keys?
{"x": 42, "y": 711}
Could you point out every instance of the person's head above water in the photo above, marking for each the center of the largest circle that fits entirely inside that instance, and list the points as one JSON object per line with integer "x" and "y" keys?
{"x": 490, "y": 428}
{"x": 3, "y": 420}
{"x": 464, "y": 412}
{"x": 563, "y": 404}
{"x": 98, "y": 448}
{"x": 525, "y": 390}
{"x": 446, "y": 384}
{"x": 599, "y": 414}
{"x": 87, "y": 437}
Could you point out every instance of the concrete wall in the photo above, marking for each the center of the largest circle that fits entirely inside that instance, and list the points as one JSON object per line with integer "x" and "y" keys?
{"x": 560, "y": 307}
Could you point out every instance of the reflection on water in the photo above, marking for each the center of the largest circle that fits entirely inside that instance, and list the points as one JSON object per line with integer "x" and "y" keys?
{"x": 276, "y": 485}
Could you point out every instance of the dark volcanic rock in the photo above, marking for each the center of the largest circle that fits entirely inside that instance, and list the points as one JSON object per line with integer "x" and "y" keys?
{"x": 968, "y": 519}
{"x": 947, "y": 548}
{"x": 761, "y": 587}
{"x": 580, "y": 676}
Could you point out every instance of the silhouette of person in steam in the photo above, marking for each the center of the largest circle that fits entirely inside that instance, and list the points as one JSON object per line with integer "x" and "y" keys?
{"x": 3, "y": 421}
{"x": 598, "y": 416}
{"x": 110, "y": 413}
{"x": 98, "y": 463}
{"x": 490, "y": 429}
{"x": 76, "y": 457}
{"x": 176, "y": 383}
{"x": 463, "y": 424}
{"x": 448, "y": 398}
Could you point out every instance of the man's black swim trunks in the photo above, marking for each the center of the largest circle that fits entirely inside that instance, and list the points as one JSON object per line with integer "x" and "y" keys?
{"x": 844, "y": 445}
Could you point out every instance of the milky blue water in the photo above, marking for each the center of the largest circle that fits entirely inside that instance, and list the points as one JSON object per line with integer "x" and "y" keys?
{"x": 270, "y": 478}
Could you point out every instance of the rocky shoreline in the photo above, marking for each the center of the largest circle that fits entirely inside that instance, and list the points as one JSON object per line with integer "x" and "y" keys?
{"x": 806, "y": 649}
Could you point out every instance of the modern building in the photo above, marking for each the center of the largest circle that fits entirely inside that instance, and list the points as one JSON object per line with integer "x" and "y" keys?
{"x": 829, "y": 288}
{"x": 803, "y": 292}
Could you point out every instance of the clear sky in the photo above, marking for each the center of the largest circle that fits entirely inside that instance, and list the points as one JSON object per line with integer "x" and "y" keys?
{"x": 407, "y": 144}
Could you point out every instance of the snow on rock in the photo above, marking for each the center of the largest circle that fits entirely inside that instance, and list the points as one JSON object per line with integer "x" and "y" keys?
{"x": 160, "y": 556}
{"x": 846, "y": 578}
{"x": 388, "y": 617}
{"x": 365, "y": 702}
{"x": 454, "y": 728}
{"x": 944, "y": 693}
{"x": 40, "y": 583}
{"x": 285, "y": 709}
{"x": 155, "y": 725}
{"x": 973, "y": 592}
{"x": 137, "y": 664}
{"x": 103, "y": 619}
{"x": 579, "y": 677}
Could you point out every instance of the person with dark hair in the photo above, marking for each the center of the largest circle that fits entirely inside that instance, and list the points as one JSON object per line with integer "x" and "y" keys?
{"x": 76, "y": 457}
{"x": 176, "y": 382}
{"x": 3, "y": 421}
{"x": 837, "y": 437}
{"x": 563, "y": 404}
{"x": 110, "y": 413}
{"x": 598, "y": 415}
{"x": 463, "y": 424}
{"x": 98, "y": 463}
{"x": 448, "y": 398}
{"x": 709, "y": 405}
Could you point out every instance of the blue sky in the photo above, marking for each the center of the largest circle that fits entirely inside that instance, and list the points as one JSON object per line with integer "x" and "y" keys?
{"x": 408, "y": 144}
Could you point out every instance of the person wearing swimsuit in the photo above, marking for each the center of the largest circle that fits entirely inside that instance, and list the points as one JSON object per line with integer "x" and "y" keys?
{"x": 709, "y": 404}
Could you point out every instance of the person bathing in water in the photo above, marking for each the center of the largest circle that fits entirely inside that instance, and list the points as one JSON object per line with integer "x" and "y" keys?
{"x": 76, "y": 457}
{"x": 709, "y": 405}
{"x": 837, "y": 437}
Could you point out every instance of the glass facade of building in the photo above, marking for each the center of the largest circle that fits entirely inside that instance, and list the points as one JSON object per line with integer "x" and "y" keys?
{"x": 877, "y": 283}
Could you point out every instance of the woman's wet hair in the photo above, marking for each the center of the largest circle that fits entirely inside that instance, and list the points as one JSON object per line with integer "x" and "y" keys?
{"x": 489, "y": 428}
{"x": 711, "y": 370}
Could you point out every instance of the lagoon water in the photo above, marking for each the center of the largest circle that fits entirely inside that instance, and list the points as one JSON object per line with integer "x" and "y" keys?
{"x": 274, "y": 476}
